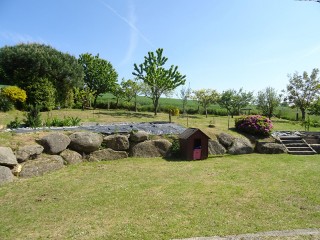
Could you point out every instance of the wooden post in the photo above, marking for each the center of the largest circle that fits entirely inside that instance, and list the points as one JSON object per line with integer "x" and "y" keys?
{"x": 187, "y": 120}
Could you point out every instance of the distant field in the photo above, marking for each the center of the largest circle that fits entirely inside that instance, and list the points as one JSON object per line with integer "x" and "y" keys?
{"x": 145, "y": 104}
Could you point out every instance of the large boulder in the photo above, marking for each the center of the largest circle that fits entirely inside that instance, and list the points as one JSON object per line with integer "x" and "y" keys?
{"x": 5, "y": 175}
{"x": 270, "y": 148}
{"x": 107, "y": 154}
{"x": 138, "y": 136}
{"x": 7, "y": 157}
{"x": 71, "y": 157}
{"x": 240, "y": 146}
{"x": 55, "y": 143}
{"x": 117, "y": 142}
{"x": 151, "y": 148}
{"x": 225, "y": 139}
{"x": 215, "y": 148}
{"x": 43, "y": 164}
{"x": 28, "y": 152}
{"x": 85, "y": 142}
{"x": 163, "y": 146}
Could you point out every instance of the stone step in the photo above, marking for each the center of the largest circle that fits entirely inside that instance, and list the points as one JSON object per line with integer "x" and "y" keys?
{"x": 290, "y": 138}
{"x": 312, "y": 140}
{"x": 295, "y": 144}
{"x": 301, "y": 152}
{"x": 301, "y": 149}
{"x": 292, "y": 141}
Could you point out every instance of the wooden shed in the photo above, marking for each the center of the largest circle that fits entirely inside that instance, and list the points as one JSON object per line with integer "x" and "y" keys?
{"x": 193, "y": 144}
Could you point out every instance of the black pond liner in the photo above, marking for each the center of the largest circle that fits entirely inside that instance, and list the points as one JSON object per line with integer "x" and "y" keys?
{"x": 155, "y": 128}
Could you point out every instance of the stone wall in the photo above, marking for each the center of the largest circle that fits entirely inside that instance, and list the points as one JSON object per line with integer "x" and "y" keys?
{"x": 56, "y": 150}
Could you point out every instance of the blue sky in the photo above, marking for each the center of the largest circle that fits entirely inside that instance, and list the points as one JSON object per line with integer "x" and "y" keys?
{"x": 217, "y": 44}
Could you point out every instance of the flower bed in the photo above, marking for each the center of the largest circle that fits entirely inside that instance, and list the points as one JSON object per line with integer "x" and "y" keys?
{"x": 254, "y": 124}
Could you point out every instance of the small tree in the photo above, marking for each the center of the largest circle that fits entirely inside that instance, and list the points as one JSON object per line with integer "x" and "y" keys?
{"x": 233, "y": 100}
{"x": 267, "y": 101}
{"x": 84, "y": 96}
{"x": 184, "y": 95}
{"x": 158, "y": 79}
{"x": 118, "y": 93}
{"x": 99, "y": 74}
{"x": 206, "y": 97}
{"x": 131, "y": 89}
{"x": 33, "y": 117}
{"x": 42, "y": 93}
{"x": 303, "y": 90}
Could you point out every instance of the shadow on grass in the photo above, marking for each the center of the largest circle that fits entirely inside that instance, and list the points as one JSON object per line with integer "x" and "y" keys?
{"x": 178, "y": 159}
{"x": 126, "y": 114}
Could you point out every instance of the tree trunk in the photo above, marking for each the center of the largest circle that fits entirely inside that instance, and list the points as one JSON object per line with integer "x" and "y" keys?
{"x": 95, "y": 101}
{"x": 135, "y": 103}
{"x": 206, "y": 112}
{"x": 303, "y": 114}
{"x": 117, "y": 102}
{"x": 156, "y": 105}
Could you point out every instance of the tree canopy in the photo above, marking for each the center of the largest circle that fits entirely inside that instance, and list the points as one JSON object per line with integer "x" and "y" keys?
{"x": 303, "y": 90}
{"x": 233, "y": 100}
{"x": 267, "y": 101}
{"x": 157, "y": 78}
{"x": 205, "y": 97}
{"x": 25, "y": 64}
{"x": 99, "y": 74}
{"x": 131, "y": 89}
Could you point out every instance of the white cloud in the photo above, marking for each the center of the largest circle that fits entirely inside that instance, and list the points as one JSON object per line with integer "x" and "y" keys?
{"x": 133, "y": 41}
{"x": 130, "y": 22}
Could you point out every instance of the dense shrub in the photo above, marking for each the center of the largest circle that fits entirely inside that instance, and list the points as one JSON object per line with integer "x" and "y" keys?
{"x": 14, "y": 93}
{"x": 15, "y": 123}
{"x": 254, "y": 124}
{"x": 174, "y": 111}
{"x": 42, "y": 93}
{"x": 175, "y": 149}
{"x": 33, "y": 117}
{"x": 5, "y": 103}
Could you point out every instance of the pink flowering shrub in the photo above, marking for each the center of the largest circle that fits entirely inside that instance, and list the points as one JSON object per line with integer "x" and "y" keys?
{"x": 254, "y": 124}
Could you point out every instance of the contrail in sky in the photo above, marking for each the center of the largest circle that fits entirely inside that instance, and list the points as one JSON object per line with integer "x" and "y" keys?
{"x": 131, "y": 24}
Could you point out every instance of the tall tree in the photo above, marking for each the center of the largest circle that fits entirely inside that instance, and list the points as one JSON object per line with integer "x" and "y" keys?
{"x": 233, "y": 100}
{"x": 158, "y": 79}
{"x": 303, "y": 89}
{"x": 99, "y": 74}
{"x": 206, "y": 97}
{"x": 24, "y": 65}
{"x": 267, "y": 101}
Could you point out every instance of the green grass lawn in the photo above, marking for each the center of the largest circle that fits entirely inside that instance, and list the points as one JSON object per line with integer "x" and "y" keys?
{"x": 159, "y": 199}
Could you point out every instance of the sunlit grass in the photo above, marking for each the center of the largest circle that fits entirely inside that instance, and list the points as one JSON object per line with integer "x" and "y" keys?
{"x": 158, "y": 199}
